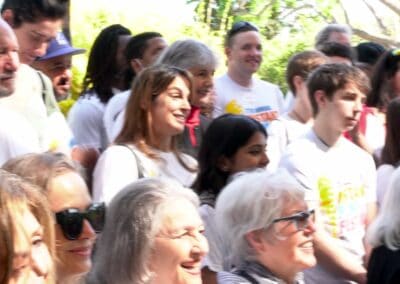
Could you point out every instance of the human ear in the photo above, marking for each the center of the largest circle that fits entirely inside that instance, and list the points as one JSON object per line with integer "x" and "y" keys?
{"x": 136, "y": 65}
{"x": 320, "y": 98}
{"x": 224, "y": 164}
{"x": 8, "y": 16}
{"x": 256, "y": 240}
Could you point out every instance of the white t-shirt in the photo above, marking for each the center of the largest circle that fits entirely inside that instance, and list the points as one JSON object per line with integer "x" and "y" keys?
{"x": 262, "y": 101}
{"x": 50, "y": 126}
{"x": 17, "y": 136}
{"x": 117, "y": 167}
{"x": 214, "y": 258}
{"x": 281, "y": 132}
{"x": 383, "y": 176}
{"x": 342, "y": 180}
{"x": 86, "y": 121}
{"x": 114, "y": 107}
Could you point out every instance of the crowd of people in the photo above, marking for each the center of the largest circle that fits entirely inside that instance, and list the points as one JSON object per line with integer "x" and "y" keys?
{"x": 163, "y": 174}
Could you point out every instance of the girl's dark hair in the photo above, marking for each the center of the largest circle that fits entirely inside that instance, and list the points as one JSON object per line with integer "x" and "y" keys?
{"x": 382, "y": 91}
{"x": 102, "y": 64}
{"x": 391, "y": 149}
{"x": 223, "y": 138}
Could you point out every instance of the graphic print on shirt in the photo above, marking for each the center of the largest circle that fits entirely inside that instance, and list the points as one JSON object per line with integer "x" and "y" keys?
{"x": 342, "y": 205}
{"x": 264, "y": 114}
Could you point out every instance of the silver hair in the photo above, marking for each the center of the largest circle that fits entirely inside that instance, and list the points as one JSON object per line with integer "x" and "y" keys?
{"x": 324, "y": 34}
{"x": 134, "y": 217}
{"x": 251, "y": 202}
{"x": 188, "y": 54}
{"x": 385, "y": 229}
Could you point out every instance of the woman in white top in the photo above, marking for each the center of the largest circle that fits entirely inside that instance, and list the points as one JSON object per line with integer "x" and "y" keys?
{"x": 145, "y": 147}
{"x": 390, "y": 156}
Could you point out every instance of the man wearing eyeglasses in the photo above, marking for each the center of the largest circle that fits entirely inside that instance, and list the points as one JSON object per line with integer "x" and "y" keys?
{"x": 338, "y": 176}
{"x": 35, "y": 23}
{"x": 239, "y": 91}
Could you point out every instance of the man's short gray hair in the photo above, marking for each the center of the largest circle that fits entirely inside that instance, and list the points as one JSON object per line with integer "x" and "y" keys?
{"x": 134, "y": 217}
{"x": 324, "y": 34}
{"x": 188, "y": 54}
{"x": 251, "y": 202}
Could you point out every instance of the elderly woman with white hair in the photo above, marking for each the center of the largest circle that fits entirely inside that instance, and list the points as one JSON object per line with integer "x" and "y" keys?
{"x": 153, "y": 234}
{"x": 268, "y": 229}
{"x": 384, "y": 236}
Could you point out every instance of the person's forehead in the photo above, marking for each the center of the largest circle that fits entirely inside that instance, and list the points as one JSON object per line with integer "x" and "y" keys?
{"x": 44, "y": 27}
{"x": 246, "y": 37}
{"x": 155, "y": 42}
{"x": 340, "y": 37}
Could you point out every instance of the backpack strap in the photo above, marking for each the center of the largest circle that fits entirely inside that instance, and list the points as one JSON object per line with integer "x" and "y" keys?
{"x": 138, "y": 162}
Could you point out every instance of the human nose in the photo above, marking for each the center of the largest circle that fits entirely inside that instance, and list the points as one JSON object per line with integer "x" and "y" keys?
{"x": 310, "y": 227}
{"x": 264, "y": 159}
{"x": 12, "y": 62}
{"x": 185, "y": 104}
{"x": 41, "y": 261}
{"x": 87, "y": 231}
{"x": 41, "y": 49}
{"x": 200, "y": 246}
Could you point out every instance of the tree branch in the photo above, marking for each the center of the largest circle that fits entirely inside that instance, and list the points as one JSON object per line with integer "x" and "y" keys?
{"x": 388, "y": 43}
{"x": 391, "y": 6}
{"x": 378, "y": 19}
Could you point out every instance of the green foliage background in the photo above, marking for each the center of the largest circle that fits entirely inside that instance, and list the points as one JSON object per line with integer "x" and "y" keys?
{"x": 286, "y": 27}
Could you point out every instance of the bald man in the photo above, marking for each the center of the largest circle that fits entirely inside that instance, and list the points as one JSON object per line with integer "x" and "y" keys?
{"x": 17, "y": 137}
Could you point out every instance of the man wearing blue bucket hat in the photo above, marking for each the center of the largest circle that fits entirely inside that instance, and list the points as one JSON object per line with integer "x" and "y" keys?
{"x": 56, "y": 64}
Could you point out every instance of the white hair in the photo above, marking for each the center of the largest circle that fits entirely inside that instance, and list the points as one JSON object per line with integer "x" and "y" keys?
{"x": 134, "y": 217}
{"x": 385, "y": 230}
{"x": 250, "y": 202}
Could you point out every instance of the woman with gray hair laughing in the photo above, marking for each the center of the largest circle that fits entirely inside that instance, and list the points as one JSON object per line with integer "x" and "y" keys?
{"x": 268, "y": 229}
{"x": 153, "y": 234}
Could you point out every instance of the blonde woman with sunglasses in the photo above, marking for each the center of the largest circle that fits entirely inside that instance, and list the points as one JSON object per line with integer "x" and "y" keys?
{"x": 77, "y": 218}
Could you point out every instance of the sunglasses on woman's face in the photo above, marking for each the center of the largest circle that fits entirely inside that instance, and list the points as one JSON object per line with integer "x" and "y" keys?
{"x": 301, "y": 219}
{"x": 71, "y": 220}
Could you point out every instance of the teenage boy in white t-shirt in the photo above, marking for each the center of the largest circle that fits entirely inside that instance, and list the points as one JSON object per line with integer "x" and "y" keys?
{"x": 299, "y": 119}
{"x": 340, "y": 177}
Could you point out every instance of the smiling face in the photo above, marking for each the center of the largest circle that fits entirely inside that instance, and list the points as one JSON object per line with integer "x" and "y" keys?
{"x": 170, "y": 109}
{"x": 9, "y": 60}
{"x": 245, "y": 53}
{"x": 203, "y": 85}
{"x": 32, "y": 262}
{"x": 251, "y": 155}
{"x": 34, "y": 38}
{"x": 180, "y": 245}
{"x": 343, "y": 110}
{"x": 284, "y": 244}
{"x": 69, "y": 190}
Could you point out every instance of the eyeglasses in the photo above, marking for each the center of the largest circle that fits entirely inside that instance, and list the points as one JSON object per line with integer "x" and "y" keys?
{"x": 71, "y": 220}
{"x": 299, "y": 219}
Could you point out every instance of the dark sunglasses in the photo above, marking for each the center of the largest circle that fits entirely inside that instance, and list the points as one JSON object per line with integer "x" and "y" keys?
{"x": 299, "y": 219}
{"x": 71, "y": 220}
